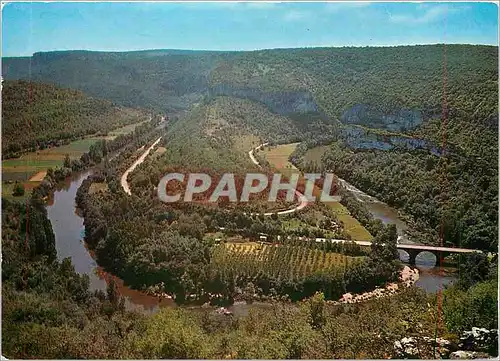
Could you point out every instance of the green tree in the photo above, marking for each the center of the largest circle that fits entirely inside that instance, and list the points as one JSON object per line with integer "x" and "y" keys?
{"x": 18, "y": 190}
{"x": 476, "y": 307}
{"x": 384, "y": 245}
{"x": 67, "y": 161}
{"x": 172, "y": 334}
{"x": 316, "y": 306}
{"x": 472, "y": 268}
{"x": 113, "y": 294}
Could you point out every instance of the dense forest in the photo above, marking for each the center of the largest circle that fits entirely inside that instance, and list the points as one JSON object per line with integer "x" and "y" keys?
{"x": 163, "y": 80}
{"x": 387, "y": 78}
{"x": 48, "y": 312}
{"x": 36, "y": 116}
{"x": 364, "y": 105}
{"x": 458, "y": 196}
{"x": 338, "y": 78}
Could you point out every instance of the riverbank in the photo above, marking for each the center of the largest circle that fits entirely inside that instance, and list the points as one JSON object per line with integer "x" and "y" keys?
{"x": 135, "y": 299}
{"x": 407, "y": 278}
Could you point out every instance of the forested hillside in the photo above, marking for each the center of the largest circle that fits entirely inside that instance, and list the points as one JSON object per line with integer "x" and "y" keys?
{"x": 384, "y": 77}
{"x": 384, "y": 103}
{"x": 49, "y": 312}
{"x": 36, "y": 115}
{"x": 217, "y": 134}
{"x": 160, "y": 79}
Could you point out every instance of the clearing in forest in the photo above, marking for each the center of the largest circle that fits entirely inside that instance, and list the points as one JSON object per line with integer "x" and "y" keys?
{"x": 278, "y": 155}
{"x": 98, "y": 187}
{"x": 160, "y": 150}
{"x": 278, "y": 158}
{"x": 124, "y": 130}
{"x": 315, "y": 154}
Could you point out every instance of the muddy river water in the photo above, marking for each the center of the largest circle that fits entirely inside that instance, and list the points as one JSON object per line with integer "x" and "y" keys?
{"x": 69, "y": 230}
{"x": 432, "y": 278}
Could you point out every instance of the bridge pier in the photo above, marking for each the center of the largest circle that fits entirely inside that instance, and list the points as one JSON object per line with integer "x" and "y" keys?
{"x": 414, "y": 250}
{"x": 414, "y": 253}
{"x": 412, "y": 256}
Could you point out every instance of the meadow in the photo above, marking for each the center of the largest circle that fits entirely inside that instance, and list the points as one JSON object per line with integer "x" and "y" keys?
{"x": 29, "y": 164}
{"x": 124, "y": 130}
{"x": 278, "y": 157}
{"x": 31, "y": 167}
{"x": 315, "y": 154}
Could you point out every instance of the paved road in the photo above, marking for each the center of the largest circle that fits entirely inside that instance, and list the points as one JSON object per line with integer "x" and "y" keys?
{"x": 250, "y": 154}
{"x": 418, "y": 247}
{"x": 300, "y": 196}
{"x": 141, "y": 159}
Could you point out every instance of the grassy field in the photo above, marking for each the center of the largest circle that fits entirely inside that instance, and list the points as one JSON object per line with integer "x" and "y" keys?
{"x": 35, "y": 163}
{"x": 278, "y": 157}
{"x": 29, "y": 164}
{"x": 8, "y": 188}
{"x": 98, "y": 187}
{"x": 315, "y": 154}
{"x": 124, "y": 130}
{"x": 160, "y": 150}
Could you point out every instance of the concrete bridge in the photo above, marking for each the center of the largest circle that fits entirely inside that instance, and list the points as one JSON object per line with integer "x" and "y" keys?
{"x": 414, "y": 250}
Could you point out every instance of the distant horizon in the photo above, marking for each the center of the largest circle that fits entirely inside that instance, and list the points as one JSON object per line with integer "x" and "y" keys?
{"x": 37, "y": 27}
{"x": 243, "y": 51}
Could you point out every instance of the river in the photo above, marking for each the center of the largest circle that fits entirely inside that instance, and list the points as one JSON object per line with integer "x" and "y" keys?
{"x": 68, "y": 227}
{"x": 69, "y": 231}
{"x": 432, "y": 278}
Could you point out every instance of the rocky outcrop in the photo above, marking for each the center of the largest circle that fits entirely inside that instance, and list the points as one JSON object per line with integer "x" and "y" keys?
{"x": 479, "y": 339}
{"x": 467, "y": 355}
{"x": 398, "y": 120}
{"x": 422, "y": 347}
{"x": 478, "y": 343}
{"x": 360, "y": 138}
{"x": 281, "y": 102}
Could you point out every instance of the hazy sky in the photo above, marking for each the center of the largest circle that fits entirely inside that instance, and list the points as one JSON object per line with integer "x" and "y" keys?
{"x": 32, "y": 27}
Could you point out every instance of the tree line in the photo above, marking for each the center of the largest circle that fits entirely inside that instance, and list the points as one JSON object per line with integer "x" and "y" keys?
{"x": 37, "y": 116}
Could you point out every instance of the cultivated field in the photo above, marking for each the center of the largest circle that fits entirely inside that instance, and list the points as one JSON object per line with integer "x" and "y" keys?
{"x": 278, "y": 157}
{"x": 31, "y": 167}
{"x": 31, "y": 163}
{"x": 291, "y": 261}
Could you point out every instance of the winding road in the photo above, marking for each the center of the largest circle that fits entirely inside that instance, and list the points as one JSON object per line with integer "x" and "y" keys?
{"x": 126, "y": 187}
{"x": 300, "y": 196}
{"x": 141, "y": 159}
